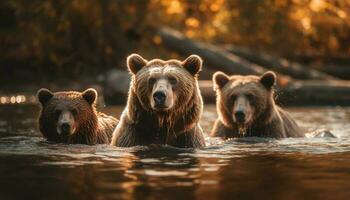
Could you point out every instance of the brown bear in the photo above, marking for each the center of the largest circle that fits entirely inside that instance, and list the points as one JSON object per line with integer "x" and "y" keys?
{"x": 71, "y": 117}
{"x": 246, "y": 107}
{"x": 164, "y": 104}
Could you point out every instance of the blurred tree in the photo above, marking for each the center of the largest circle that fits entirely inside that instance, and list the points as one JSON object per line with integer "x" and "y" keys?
{"x": 67, "y": 38}
{"x": 75, "y": 38}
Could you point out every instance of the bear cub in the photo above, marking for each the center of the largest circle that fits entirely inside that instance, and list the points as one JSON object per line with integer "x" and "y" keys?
{"x": 246, "y": 107}
{"x": 71, "y": 117}
{"x": 164, "y": 104}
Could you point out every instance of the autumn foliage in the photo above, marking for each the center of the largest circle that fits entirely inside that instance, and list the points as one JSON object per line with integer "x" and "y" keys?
{"x": 71, "y": 38}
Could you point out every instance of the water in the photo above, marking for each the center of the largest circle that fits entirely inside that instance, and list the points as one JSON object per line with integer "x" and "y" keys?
{"x": 251, "y": 168}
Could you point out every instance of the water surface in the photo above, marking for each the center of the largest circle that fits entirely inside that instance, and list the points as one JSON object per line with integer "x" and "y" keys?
{"x": 312, "y": 168}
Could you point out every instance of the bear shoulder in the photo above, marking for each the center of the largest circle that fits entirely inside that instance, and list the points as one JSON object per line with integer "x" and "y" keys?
{"x": 291, "y": 128}
{"x": 105, "y": 128}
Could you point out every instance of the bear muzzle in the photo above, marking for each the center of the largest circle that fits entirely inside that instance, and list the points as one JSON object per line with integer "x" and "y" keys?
{"x": 159, "y": 98}
{"x": 162, "y": 96}
{"x": 65, "y": 124}
{"x": 240, "y": 116}
{"x": 161, "y": 101}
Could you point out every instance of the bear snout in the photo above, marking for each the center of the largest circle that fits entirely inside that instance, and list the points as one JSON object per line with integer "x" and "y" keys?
{"x": 162, "y": 95}
{"x": 240, "y": 116}
{"x": 159, "y": 97}
{"x": 65, "y": 128}
{"x": 65, "y": 125}
{"x": 242, "y": 110}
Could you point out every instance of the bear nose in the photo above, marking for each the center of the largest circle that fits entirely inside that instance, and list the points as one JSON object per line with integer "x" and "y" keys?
{"x": 65, "y": 127}
{"x": 159, "y": 97}
{"x": 240, "y": 116}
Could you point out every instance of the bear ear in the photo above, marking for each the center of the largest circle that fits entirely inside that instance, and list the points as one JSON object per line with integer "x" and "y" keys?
{"x": 135, "y": 62}
{"x": 90, "y": 95}
{"x": 220, "y": 79}
{"x": 193, "y": 64}
{"x": 44, "y": 95}
{"x": 268, "y": 79}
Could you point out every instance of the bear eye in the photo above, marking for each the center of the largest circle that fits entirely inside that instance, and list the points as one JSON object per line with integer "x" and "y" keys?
{"x": 74, "y": 111}
{"x": 233, "y": 97}
{"x": 250, "y": 97}
{"x": 151, "y": 81}
{"x": 172, "y": 80}
{"x": 57, "y": 112}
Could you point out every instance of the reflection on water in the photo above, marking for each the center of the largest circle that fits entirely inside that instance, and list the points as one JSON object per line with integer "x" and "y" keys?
{"x": 312, "y": 168}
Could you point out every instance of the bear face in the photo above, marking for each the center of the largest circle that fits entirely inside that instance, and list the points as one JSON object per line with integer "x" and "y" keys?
{"x": 164, "y": 104}
{"x": 64, "y": 114}
{"x": 164, "y": 86}
{"x": 243, "y": 100}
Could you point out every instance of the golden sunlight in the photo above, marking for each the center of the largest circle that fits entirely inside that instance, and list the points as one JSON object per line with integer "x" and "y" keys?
{"x": 173, "y": 7}
{"x": 192, "y": 22}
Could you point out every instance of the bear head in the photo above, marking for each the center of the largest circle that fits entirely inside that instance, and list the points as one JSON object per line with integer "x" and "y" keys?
{"x": 242, "y": 100}
{"x": 65, "y": 114}
{"x": 164, "y": 86}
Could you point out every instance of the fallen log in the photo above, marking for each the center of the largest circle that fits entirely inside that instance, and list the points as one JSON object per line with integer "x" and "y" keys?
{"x": 293, "y": 69}
{"x": 339, "y": 71}
{"x": 115, "y": 86}
{"x": 295, "y": 93}
{"x": 213, "y": 56}
{"x": 291, "y": 92}
{"x": 206, "y": 73}
{"x": 300, "y": 93}
{"x": 330, "y": 93}
{"x": 327, "y": 58}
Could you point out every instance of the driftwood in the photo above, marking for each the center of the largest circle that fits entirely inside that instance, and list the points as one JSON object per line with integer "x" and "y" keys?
{"x": 300, "y": 93}
{"x": 339, "y": 71}
{"x": 290, "y": 91}
{"x": 310, "y": 57}
{"x": 116, "y": 86}
{"x": 293, "y": 69}
{"x": 316, "y": 93}
{"x": 216, "y": 57}
{"x": 213, "y": 56}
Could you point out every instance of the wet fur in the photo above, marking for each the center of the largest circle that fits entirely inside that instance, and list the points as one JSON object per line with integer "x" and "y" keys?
{"x": 93, "y": 127}
{"x": 269, "y": 120}
{"x": 179, "y": 127}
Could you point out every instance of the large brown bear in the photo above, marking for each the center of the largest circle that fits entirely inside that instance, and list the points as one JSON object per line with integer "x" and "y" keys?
{"x": 246, "y": 107}
{"x": 164, "y": 104}
{"x": 71, "y": 117}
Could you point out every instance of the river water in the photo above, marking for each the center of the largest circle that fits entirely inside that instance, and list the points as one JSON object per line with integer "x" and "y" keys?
{"x": 250, "y": 168}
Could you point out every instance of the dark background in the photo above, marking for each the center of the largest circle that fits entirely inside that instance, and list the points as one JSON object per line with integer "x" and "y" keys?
{"x": 75, "y": 41}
